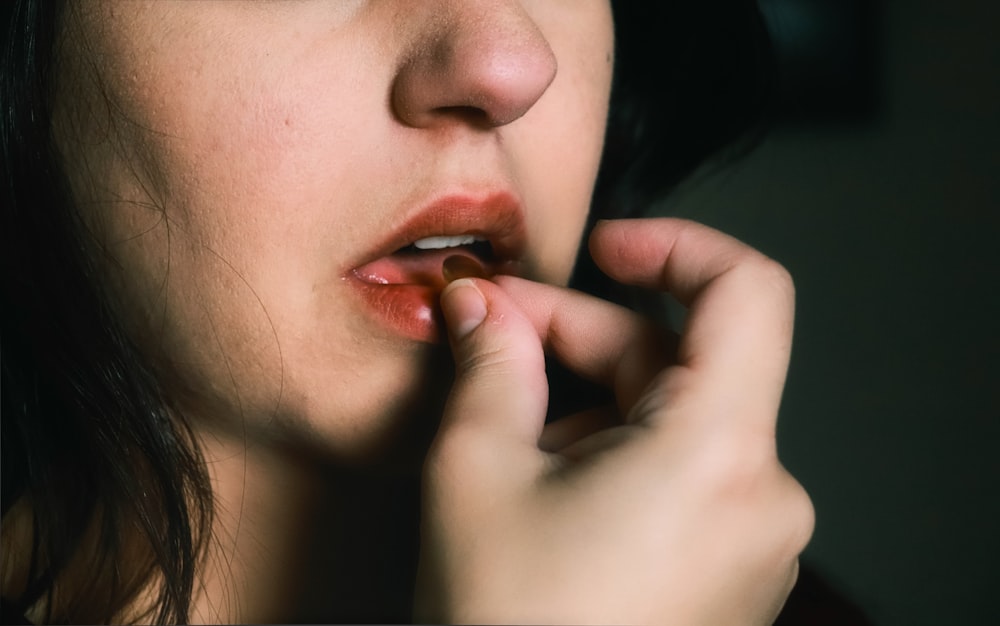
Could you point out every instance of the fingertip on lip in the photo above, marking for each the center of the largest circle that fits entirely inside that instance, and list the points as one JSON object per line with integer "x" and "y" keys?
{"x": 463, "y": 313}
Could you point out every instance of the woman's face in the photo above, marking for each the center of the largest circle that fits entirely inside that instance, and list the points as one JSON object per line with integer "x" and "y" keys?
{"x": 255, "y": 170}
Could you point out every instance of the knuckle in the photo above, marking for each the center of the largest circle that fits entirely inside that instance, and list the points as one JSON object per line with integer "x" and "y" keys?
{"x": 776, "y": 276}
{"x": 735, "y": 467}
{"x": 769, "y": 290}
{"x": 743, "y": 476}
{"x": 800, "y": 512}
{"x": 762, "y": 270}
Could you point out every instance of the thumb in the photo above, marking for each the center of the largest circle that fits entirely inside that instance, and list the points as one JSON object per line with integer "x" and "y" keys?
{"x": 500, "y": 388}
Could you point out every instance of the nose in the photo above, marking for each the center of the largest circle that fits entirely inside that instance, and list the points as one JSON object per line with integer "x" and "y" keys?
{"x": 486, "y": 63}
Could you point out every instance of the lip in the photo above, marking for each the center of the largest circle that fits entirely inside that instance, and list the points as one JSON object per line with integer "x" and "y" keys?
{"x": 411, "y": 309}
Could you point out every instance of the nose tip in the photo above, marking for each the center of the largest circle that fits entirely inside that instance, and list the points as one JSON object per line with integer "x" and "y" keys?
{"x": 486, "y": 70}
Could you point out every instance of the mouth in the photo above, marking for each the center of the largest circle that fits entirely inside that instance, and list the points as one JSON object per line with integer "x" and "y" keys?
{"x": 402, "y": 279}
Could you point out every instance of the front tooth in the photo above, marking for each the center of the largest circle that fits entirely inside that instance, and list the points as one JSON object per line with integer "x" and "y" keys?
{"x": 444, "y": 241}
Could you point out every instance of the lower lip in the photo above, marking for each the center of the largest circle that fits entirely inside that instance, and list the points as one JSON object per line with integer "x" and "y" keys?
{"x": 410, "y": 310}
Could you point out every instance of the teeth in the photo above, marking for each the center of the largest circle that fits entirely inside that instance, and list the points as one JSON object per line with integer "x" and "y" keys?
{"x": 445, "y": 241}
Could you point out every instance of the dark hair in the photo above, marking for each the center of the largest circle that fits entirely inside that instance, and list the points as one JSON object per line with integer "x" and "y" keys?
{"x": 691, "y": 79}
{"x": 90, "y": 444}
{"x": 89, "y": 447}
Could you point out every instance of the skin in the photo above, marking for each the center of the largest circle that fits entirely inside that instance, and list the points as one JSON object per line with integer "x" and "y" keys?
{"x": 232, "y": 159}
{"x": 232, "y": 180}
{"x": 679, "y": 512}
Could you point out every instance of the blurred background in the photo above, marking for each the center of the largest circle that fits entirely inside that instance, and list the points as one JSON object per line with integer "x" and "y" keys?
{"x": 880, "y": 190}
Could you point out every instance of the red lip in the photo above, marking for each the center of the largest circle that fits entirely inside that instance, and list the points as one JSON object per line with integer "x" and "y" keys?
{"x": 405, "y": 299}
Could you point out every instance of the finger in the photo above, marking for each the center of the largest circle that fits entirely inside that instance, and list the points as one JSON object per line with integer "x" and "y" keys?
{"x": 741, "y": 304}
{"x": 500, "y": 387}
{"x": 598, "y": 340}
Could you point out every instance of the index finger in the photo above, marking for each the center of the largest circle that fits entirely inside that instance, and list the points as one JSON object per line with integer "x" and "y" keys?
{"x": 598, "y": 340}
{"x": 738, "y": 333}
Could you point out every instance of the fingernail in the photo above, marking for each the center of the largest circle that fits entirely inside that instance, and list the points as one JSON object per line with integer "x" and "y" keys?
{"x": 459, "y": 266}
{"x": 464, "y": 307}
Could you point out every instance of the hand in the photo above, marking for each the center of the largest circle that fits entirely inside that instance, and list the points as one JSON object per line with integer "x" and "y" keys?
{"x": 680, "y": 513}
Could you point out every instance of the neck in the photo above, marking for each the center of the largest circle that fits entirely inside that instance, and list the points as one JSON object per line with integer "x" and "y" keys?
{"x": 296, "y": 539}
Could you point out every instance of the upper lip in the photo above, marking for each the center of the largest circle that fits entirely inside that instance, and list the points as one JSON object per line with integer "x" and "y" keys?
{"x": 496, "y": 216}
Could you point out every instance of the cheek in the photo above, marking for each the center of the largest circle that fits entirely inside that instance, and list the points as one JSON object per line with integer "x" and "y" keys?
{"x": 564, "y": 139}
{"x": 222, "y": 201}
{"x": 231, "y": 199}
{"x": 182, "y": 195}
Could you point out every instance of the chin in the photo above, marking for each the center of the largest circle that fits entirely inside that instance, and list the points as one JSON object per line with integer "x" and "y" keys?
{"x": 383, "y": 418}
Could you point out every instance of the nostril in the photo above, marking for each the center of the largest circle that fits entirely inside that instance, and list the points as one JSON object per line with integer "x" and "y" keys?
{"x": 472, "y": 115}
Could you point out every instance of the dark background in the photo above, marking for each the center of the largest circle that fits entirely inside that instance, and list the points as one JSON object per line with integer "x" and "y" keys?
{"x": 881, "y": 193}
